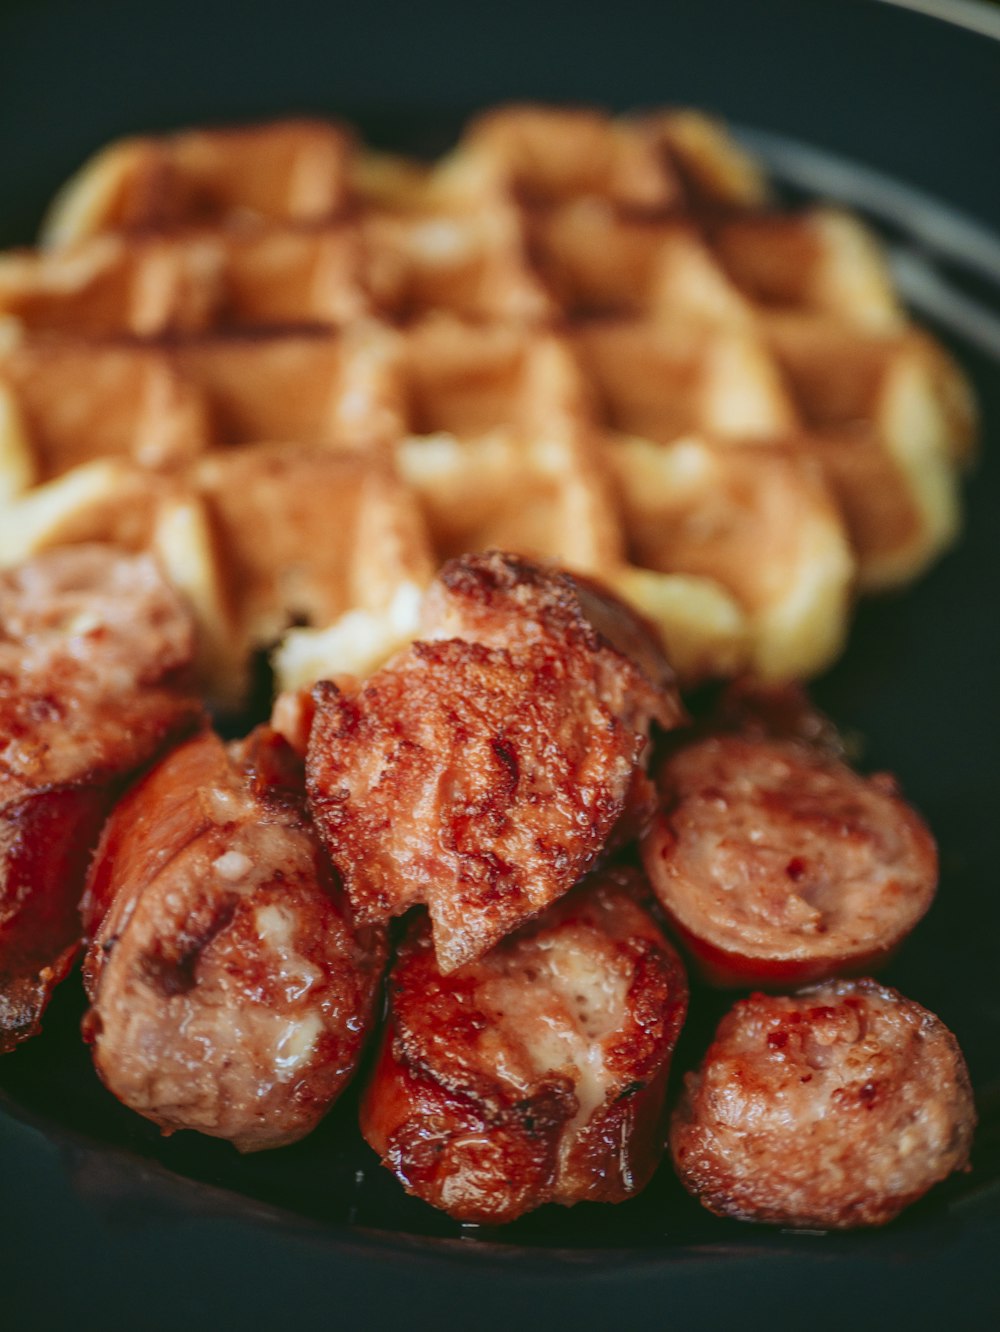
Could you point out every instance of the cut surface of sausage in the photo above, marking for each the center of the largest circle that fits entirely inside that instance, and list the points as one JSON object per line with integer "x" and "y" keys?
{"x": 484, "y": 770}
{"x": 94, "y": 651}
{"x": 94, "y": 645}
{"x": 538, "y": 1073}
{"x": 832, "y": 1108}
{"x": 778, "y": 865}
{"x": 230, "y": 991}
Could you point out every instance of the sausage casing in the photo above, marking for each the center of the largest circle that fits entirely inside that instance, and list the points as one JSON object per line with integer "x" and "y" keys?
{"x": 230, "y": 991}
{"x": 538, "y": 1073}
{"x": 485, "y": 769}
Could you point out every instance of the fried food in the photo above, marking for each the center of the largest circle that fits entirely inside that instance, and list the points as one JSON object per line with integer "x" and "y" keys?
{"x": 502, "y": 601}
{"x": 230, "y": 990}
{"x": 777, "y": 865}
{"x": 95, "y": 656}
{"x": 304, "y": 376}
{"x": 832, "y": 1108}
{"x": 538, "y": 1073}
{"x": 484, "y": 770}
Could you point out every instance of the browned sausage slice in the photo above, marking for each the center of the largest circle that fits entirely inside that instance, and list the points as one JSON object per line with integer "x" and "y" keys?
{"x": 94, "y": 650}
{"x": 835, "y": 1107}
{"x": 483, "y": 771}
{"x": 778, "y": 865}
{"x": 538, "y": 1073}
{"x": 230, "y": 991}
{"x": 505, "y": 601}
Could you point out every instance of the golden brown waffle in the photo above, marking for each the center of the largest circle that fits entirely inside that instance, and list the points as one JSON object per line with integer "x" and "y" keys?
{"x": 292, "y": 170}
{"x": 585, "y": 339}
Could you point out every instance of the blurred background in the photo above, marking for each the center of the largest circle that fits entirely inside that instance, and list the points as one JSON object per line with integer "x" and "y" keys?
{"x": 902, "y": 91}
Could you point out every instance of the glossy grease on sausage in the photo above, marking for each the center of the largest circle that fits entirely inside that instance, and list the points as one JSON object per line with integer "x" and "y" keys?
{"x": 538, "y": 1073}
{"x": 230, "y": 991}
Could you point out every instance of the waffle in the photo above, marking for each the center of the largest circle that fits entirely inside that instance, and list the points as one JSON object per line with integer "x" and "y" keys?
{"x": 593, "y": 341}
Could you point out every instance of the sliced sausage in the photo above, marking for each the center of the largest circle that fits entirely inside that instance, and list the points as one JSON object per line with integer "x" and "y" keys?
{"x": 832, "y": 1108}
{"x": 94, "y": 653}
{"x": 230, "y": 991}
{"x": 506, "y": 601}
{"x": 536, "y": 1074}
{"x": 777, "y": 865}
{"x": 484, "y": 770}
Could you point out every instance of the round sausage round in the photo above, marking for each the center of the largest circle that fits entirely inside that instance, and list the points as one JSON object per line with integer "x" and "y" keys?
{"x": 831, "y": 1108}
{"x": 777, "y": 865}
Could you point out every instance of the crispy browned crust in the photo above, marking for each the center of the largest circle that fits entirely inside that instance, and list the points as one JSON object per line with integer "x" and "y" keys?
{"x": 504, "y": 600}
{"x": 484, "y": 771}
{"x": 836, "y": 1107}
{"x": 467, "y": 1107}
{"x": 95, "y": 655}
{"x": 230, "y": 990}
{"x": 45, "y": 844}
{"x": 94, "y": 647}
{"x": 777, "y": 865}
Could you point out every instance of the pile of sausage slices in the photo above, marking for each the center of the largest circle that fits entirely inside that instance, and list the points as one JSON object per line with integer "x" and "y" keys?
{"x": 523, "y": 786}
